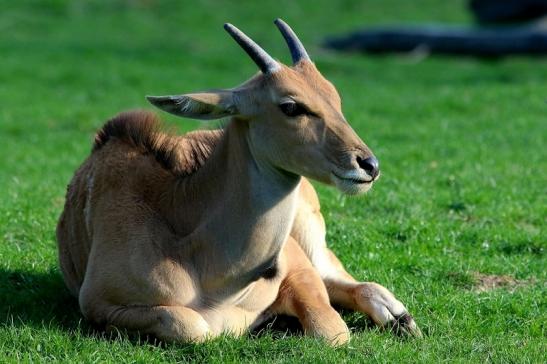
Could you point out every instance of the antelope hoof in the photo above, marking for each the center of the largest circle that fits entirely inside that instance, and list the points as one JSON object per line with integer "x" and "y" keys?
{"x": 404, "y": 325}
{"x": 385, "y": 310}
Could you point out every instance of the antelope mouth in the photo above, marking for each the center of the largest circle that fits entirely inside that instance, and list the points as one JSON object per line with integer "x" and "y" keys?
{"x": 352, "y": 182}
{"x": 352, "y": 179}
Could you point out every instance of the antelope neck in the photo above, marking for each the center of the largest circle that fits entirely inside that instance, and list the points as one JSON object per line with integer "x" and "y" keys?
{"x": 244, "y": 209}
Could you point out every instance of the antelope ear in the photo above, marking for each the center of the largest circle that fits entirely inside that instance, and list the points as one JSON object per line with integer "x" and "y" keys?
{"x": 204, "y": 105}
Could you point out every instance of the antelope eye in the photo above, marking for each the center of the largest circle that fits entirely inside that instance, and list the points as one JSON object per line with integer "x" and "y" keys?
{"x": 292, "y": 109}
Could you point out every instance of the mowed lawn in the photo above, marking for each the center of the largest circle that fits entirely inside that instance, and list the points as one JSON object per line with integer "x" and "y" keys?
{"x": 455, "y": 227}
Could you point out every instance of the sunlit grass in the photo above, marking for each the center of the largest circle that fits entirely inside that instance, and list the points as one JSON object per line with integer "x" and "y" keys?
{"x": 461, "y": 144}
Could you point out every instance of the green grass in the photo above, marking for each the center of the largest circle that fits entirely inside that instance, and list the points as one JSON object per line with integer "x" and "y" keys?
{"x": 461, "y": 144}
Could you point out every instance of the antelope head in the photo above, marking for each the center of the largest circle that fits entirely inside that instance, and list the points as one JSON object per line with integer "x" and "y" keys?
{"x": 294, "y": 116}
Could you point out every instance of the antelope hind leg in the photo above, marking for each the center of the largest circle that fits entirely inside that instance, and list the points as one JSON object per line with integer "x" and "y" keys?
{"x": 167, "y": 323}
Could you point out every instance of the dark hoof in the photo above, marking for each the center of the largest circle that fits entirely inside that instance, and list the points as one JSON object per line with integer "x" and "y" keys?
{"x": 404, "y": 325}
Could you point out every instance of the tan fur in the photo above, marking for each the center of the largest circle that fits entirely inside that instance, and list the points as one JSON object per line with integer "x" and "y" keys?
{"x": 187, "y": 237}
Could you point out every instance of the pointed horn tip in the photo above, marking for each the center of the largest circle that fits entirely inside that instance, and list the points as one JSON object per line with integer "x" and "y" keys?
{"x": 298, "y": 52}
{"x": 280, "y": 23}
{"x": 234, "y": 31}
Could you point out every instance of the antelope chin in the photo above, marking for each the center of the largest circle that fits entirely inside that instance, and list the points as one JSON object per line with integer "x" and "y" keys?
{"x": 352, "y": 183}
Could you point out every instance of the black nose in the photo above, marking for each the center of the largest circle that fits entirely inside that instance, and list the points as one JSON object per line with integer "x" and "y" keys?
{"x": 370, "y": 165}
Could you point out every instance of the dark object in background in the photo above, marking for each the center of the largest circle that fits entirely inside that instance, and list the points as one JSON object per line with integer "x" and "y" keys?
{"x": 489, "y": 42}
{"x": 480, "y": 42}
{"x": 507, "y": 11}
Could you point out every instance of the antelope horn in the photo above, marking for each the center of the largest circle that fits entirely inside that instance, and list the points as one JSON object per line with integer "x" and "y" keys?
{"x": 262, "y": 59}
{"x": 298, "y": 52}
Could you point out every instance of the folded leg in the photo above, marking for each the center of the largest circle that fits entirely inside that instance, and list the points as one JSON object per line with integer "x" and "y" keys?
{"x": 370, "y": 298}
{"x": 168, "y": 323}
{"x": 343, "y": 290}
{"x": 302, "y": 294}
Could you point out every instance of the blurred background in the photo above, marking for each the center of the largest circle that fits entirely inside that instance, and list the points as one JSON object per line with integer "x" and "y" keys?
{"x": 461, "y": 143}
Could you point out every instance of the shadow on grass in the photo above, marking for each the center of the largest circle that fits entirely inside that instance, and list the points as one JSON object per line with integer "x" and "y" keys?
{"x": 279, "y": 326}
{"x": 36, "y": 298}
{"x": 282, "y": 325}
{"x": 39, "y": 299}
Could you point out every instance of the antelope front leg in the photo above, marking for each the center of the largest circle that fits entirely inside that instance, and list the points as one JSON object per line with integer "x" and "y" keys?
{"x": 368, "y": 297}
{"x": 302, "y": 294}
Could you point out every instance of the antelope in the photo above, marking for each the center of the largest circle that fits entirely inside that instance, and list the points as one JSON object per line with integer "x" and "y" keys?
{"x": 189, "y": 237}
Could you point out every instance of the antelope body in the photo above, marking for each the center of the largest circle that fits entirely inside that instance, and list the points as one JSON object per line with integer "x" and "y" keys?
{"x": 187, "y": 237}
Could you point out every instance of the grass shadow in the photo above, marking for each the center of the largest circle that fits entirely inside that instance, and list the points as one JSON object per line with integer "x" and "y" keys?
{"x": 278, "y": 326}
{"x": 36, "y": 298}
{"x": 281, "y": 325}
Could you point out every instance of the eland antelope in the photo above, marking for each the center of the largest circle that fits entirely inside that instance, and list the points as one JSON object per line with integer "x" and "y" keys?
{"x": 188, "y": 237}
